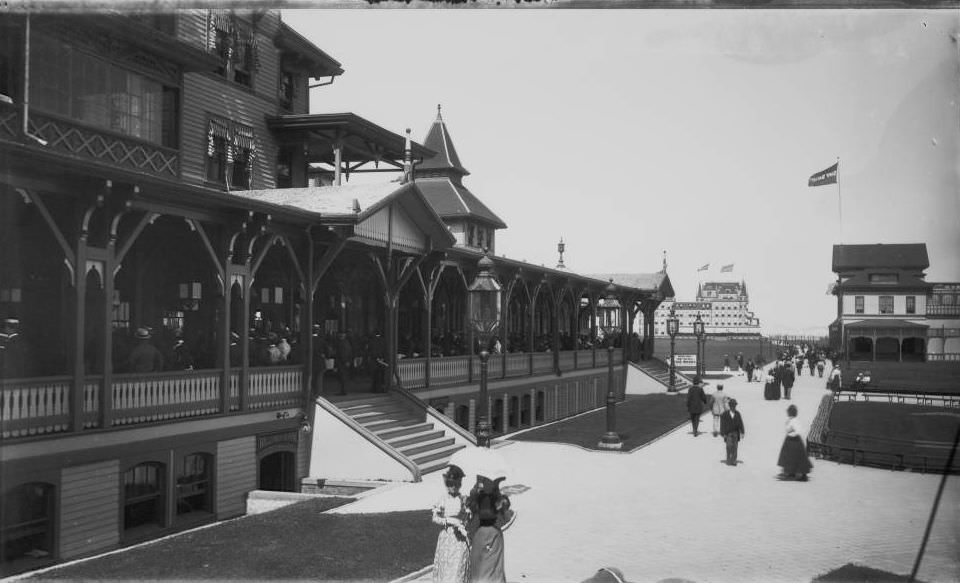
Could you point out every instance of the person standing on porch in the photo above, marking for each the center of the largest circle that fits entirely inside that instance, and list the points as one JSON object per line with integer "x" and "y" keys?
{"x": 344, "y": 360}
{"x": 145, "y": 357}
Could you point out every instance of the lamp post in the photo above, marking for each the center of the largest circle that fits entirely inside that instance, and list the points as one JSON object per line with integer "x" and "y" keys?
{"x": 610, "y": 439}
{"x": 673, "y": 326}
{"x": 699, "y": 333}
{"x": 484, "y": 294}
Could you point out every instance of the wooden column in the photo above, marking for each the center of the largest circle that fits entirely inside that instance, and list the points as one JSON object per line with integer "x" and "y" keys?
{"x": 80, "y": 276}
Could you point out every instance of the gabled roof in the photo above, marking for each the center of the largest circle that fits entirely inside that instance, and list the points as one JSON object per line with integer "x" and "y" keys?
{"x": 452, "y": 200}
{"x": 314, "y": 60}
{"x": 648, "y": 282}
{"x": 879, "y": 255}
{"x": 355, "y": 203}
{"x": 438, "y": 139}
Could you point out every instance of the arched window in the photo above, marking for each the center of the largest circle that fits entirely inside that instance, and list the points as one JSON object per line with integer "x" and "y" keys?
{"x": 27, "y": 528}
{"x": 194, "y": 491}
{"x": 143, "y": 496}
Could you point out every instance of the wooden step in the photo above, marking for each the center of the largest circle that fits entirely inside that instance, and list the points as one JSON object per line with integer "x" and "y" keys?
{"x": 426, "y": 446}
{"x": 408, "y": 438}
{"x": 379, "y": 425}
{"x": 386, "y": 433}
{"x": 437, "y": 456}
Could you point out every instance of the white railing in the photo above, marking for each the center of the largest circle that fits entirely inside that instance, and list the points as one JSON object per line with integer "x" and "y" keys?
{"x": 34, "y": 406}
{"x": 275, "y": 386}
{"x": 449, "y": 369}
{"x": 91, "y": 402}
{"x": 944, "y": 357}
{"x": 162, "y": 396}
{"x": 412, "y": 372}
{"x": 234, "y": 389}
{"x": 518, "y": 363}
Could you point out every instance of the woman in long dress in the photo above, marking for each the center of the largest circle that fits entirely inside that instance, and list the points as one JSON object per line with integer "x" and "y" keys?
{"x": 490, "y": 508}
{"x": 452, "y": 558}
{"x": 793, "y": 454}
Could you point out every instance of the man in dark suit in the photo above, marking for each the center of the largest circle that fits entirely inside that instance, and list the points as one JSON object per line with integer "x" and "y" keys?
{"x": 731, "y": 428}
{"x": 696, "y": 400}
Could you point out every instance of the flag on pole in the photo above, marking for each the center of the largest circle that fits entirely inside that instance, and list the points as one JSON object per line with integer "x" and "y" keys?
{"x": 705, "y": 267}
{"x": 726, "y": 268}
{"x": 828, "y": 176}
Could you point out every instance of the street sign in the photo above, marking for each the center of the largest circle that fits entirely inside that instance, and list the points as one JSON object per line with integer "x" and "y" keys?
{"x": 685, "y": 360}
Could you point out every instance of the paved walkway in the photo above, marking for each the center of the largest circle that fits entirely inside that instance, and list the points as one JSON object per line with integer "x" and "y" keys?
{"x": 673, "y": 510}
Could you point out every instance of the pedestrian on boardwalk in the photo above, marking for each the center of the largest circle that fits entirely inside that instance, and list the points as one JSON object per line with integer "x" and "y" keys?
{"x": 490, "y": 508}
{"x": 793, "y": 454}
{"x": 819, "y": 369}
{"x": 835, "y": 381}
{"x": 731, "y": 427}
{"x": 451, "y": 560}
{"x": 696, "y": 400}
{"x": 740, "y": 364}
{"x": 787, "y": 378}
{"x": 726, "y": 363}
{"x": 771, "y": 388}
{"x": 719, "y": 407}
{"x": 750, "y": 368}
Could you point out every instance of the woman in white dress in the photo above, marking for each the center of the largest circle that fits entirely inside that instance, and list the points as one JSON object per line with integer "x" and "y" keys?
{"x": 452, "y": 558}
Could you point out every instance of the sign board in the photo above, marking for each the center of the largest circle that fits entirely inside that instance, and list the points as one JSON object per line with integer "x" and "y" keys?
{"x": 705, "y": 306}
{"x": 685, "y": 360}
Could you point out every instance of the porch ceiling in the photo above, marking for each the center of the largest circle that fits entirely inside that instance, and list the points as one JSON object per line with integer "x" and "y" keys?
{"x": 363, "y": 141}
{"x": 875, "y": 323}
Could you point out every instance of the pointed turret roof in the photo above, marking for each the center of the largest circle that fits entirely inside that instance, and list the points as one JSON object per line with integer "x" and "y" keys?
{"x": 440, "y": 180}
{"x": 438, "y": 140}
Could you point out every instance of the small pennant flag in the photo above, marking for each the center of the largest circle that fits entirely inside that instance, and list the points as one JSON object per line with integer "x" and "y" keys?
{"x": 828, "y": 176}
{"x": 705, "y": 267}
{"x": 726, "y": 268}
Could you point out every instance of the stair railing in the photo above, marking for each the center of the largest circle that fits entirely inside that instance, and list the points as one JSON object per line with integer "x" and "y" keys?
{"x": 430, "y": 412}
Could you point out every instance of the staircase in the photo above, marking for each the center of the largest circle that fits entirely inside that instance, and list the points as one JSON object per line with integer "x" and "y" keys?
{"x": 404, "y": 429}
{"x": 660, "y": 371}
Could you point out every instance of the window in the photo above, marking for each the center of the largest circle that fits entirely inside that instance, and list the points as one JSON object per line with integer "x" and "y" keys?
{"x": 231, "y": 153}
{"x": 947, "y": 300}
{"x": 288, "y": 88}
{"x": 27, "y": 528}
{"x": 884, "y": 278}
{"x": 193, "y": 485}
{"x": 858, "y": 304}
{"x": 911, "y": 304}
{"x": 143, "y": 496}
{"x": 886, "y": 304}
{"x": 78, "y": 86}
{"x": 284, "y": 168}
{"x": 235, "y": 44}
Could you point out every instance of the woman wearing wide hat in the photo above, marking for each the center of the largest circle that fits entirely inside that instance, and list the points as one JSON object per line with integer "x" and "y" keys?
{"x": 491, "y": 510}
{"x": 452, "y": 557}
{"x": 793, "y": 454}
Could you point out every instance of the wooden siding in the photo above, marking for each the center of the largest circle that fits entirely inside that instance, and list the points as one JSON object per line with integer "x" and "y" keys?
{"x": 236, "y": 475}
{"x": 89, "y": 508}
{"x": 206, "y": 94}
{"x": 303, "y": 456}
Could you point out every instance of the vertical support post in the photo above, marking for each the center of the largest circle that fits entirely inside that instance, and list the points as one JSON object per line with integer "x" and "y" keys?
{"x": 246, "y": 286}
{"x": 483, "y": 423}
{"x": 106, "y": 401}
{"x": 80, "y": 275}
{"x": 306, "y": 328}
{"x": 428, "y": 337}
{"x": 673, "y": 365}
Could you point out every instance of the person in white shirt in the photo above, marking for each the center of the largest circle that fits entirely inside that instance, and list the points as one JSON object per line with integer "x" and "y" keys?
{"x": 718, "y": 408}
{"x": 793, "y": 454}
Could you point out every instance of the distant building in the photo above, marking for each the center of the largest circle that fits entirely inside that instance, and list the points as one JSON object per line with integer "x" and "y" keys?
{"x": 886, "y": 310}
{"x": 724, "y": 307}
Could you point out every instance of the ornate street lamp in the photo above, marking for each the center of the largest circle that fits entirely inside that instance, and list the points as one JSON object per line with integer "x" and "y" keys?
{"x": 673, "y": 326}
{"x": 699, "y": 333}
{"x": 484, "y": 294}
{"x": 610, "y": 439}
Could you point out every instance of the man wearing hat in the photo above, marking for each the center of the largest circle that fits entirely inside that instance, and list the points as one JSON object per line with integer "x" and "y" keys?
{"x": 696, "y": 400}
{"x": 145, "y": 357}
{"x": 731, "y": 427}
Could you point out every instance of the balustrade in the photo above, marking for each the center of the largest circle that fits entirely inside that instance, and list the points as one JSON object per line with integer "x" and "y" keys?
{"x": 543, "y": 362}
{"x": 275, "y": 386}
{"x": 412, "y": 372}
{"x": 34, "y": 406}
{"x": 450, "y": 369}
{"x": 584, "y": 359}
{"x": 567, "y": 360}
{"x": 163, "y": 396}
{"x": 518, "y": 364}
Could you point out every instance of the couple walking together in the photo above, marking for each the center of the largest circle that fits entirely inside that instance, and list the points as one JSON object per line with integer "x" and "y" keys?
{"x": 727, "y": 421}
{"x": 463, "y": 556}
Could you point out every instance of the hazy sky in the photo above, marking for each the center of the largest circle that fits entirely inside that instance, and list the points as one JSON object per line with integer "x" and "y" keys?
{"x": 632, "y": 132}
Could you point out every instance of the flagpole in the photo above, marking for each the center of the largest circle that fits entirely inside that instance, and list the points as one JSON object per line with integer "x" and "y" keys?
{"x": 839, "y": 201}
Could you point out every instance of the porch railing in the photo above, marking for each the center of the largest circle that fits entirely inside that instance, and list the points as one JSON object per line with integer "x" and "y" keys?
{"x": 34, "y": 406}
{"x": 275, "y": 386}
{"x": 449, "y": 369}
{"x": 163, "y": 396}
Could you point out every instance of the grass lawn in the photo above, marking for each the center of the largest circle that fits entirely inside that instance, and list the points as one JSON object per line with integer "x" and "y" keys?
{"x": 940, "y": 377}
{"x": 851, "y": 573}
{"x": 640, "y": 420}
{"x": 296, "y": 542}
{"x": 895, "y": 421}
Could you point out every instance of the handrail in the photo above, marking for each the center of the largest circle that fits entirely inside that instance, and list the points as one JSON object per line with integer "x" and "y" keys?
{"x": 369, "y": 436}
{"x": 419, "y": 404}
